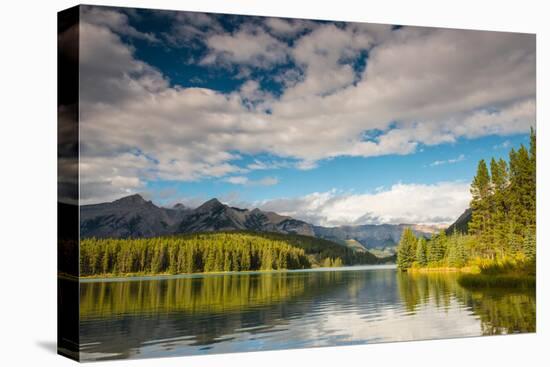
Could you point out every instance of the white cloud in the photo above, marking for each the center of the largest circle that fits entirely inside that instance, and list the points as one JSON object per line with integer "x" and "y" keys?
{"x": 190, "y": 27}
{"x": 321, "y": 54}
{"x": 420, "y": 86}
{"x": 120, "y": 79}
{"x": 504, "y": 145}
{"x": 439, "y": 203}
{"x": 114, "y": 20}
{"x": 288, "y": 27}
{"x": 460, "y": 158}
{"x": 248, "y": 46}
{"x": 237, "y": 180}
{"x": 243, "y": 180}
{"x": 264, "y": 165}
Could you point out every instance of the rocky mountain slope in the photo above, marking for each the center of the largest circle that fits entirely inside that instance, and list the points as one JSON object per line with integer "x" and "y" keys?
{"x": 461, "y": 224}
{"x": 134, "y": 216}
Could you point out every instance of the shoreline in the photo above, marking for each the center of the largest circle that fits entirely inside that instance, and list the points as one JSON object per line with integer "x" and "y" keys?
{"x": 463, "y": 270}
{"x": 161, "y": 276}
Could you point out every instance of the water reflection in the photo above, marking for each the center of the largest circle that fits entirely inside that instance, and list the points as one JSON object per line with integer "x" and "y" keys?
{"x": 501, "y": 311}
{"x": 233, "y": 313}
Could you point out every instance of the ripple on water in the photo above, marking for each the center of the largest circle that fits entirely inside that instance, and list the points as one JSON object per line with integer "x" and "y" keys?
{"x": 232, "y": 313}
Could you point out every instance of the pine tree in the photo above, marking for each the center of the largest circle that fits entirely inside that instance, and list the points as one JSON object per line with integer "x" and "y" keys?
{"x": 437, "y": 248}
{"x": 406, "y": 249}
{"x": 456, "y": 253}
{"x": 481, "y": 208}
{"x": 522, "y": 193}
{"x": 529, "y": 245}
{"x": 421, "y": 252}
{"x": 499, "y": 182}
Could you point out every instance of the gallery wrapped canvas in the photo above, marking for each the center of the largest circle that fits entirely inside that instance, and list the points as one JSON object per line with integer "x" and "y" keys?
{"x": 232, "y": 183}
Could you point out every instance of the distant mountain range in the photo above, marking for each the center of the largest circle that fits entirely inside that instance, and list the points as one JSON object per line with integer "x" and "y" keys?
{"x": 133, "y": 216}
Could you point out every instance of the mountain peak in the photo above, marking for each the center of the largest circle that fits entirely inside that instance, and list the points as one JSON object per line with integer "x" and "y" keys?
{"x": 210, "y": 205}
{"x": 134, "y": 199}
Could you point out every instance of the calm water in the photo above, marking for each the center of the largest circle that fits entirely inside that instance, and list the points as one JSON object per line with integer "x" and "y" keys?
{"x": 250, "y": 312}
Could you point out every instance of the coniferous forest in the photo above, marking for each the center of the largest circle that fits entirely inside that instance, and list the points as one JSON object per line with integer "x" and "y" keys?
{"x": 213, "y": 252}
{"x": 501, "y": 234}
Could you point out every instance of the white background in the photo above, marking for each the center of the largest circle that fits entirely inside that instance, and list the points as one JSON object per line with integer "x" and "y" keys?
{"x": 28, "y": 181}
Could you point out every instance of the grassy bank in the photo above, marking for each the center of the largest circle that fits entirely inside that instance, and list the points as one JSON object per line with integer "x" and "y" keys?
{"x": 504, "y": 273}
{"x": 483, "y": 273}
{"x": 441, "y": 269}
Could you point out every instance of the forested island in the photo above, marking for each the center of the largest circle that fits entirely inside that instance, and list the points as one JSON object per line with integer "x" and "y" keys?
{"x": 498, "y": 245}
{"x": 213, "y": 252}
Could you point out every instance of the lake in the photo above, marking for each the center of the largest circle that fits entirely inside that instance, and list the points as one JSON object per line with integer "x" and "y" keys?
{"x": 220, "y": 313}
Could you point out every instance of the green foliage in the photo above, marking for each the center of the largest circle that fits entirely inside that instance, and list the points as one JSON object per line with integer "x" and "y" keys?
{"x": 503, "y": 221}
{"x": 319, "y": 249}
{"x": 406, "y": 249}
{"x": 421, "y": 252}
{"x": 456, "y": 255}
{"x": 481, "y": 205}
{"x": 529, "y": 245}
{"x": 214, "y": 252}
{"x": 332, "y": 263}
{"x": 211, "y": 252}
{"x": 437, "y": 248}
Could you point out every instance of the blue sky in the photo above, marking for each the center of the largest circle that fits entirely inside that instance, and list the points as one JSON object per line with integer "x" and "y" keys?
{"x": 430, "y": 165}
{"x": 331, "y": 122}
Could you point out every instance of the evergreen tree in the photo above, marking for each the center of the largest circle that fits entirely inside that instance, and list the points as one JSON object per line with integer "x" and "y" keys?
{"x": 437, "y": 248}
{"x": 406, "y": 250}
{"x": 529, "y": 245}
{"x": 481, "y": 208}
{"x": 456, "y": 254}
{"x": 421, "y": 252}
{"x": 499, "y": 209}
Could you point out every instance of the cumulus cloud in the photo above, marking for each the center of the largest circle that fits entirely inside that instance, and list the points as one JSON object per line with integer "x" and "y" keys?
{"x": 439, "y": 203}
{"x": 116, "y": 21}
{"x": 250, "y": 45}
{"x": 419, "y": 86}
{"x": 287, "y": 28}
{"x": 190, "y": 28}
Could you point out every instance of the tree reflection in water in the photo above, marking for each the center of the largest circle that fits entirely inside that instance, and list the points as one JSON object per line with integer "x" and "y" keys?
{"x": 501, "y": 311}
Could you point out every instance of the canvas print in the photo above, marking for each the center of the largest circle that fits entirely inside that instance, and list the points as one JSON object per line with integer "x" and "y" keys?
{"x": 233, "y": 183}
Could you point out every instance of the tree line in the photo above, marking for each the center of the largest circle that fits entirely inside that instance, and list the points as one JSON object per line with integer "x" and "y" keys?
{"x": 319, "y": 250}
{"x": 211, "y": 252}
{"x": 503, "y": 221}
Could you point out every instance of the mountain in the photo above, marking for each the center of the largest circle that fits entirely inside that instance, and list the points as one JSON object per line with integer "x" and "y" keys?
{"x": 461, "y": 224}
{"x": 370, "y": 236}
{"x": 133, "y": 216}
